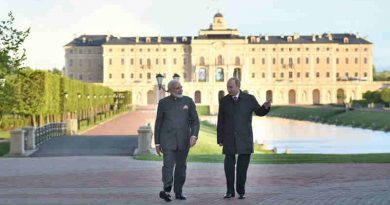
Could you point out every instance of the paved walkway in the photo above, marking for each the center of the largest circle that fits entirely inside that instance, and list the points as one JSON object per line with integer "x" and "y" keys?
{"x": 122, "y": 180}
{"x": 126, "y": 124}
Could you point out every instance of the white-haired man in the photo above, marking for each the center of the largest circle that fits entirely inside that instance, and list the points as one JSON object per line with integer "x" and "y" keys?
{"x": 176, "y": 130}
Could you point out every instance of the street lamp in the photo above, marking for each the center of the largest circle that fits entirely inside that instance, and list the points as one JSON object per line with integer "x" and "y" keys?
{"x": 176, "y": 77}
{"x": 160, "y": 78}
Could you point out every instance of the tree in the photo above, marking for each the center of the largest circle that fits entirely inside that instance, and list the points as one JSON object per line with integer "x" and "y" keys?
{"x": 11, "y": 39}
{"x": 11, "y": 59}
{"x": 385, "y": 96}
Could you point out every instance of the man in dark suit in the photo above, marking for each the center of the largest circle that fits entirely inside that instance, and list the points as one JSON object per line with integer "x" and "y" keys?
{"x": 176, "y": 130}
{"x": 234, "y": 133}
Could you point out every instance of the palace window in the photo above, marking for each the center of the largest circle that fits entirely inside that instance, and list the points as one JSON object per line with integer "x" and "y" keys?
{"x": 237, "y": 61}
{"x": 318, "y": 60}
{"x": 110, "y": 61}
{"x": 122, "y": 75}
{"x": 110, "y": 75}
{"x": 298, "y": 75}
{"x": 219, "y": 75}
{"x": 307, "y": 60}
{"x": 307, "y": 75}
{"x": 220, "y": 60}
{"x": 346, "y": 60}
{"x": 263, "y": 75}
{"x": 327, "y": 74}
{"x": 263, "y": 61}
{"x": 281, "y": 61}
{"x": 253, "y": 60}
{"x": 328, "y": 60}
{"x": 290, "y": 74}
{"x": 122, "y": 61}
{"x": 365, "y": 60}
{"x": 132, "y": 61}
{"x": 174, "y": 61}
{"x": 318, "y": 74}
{"x": 356, "y": 60}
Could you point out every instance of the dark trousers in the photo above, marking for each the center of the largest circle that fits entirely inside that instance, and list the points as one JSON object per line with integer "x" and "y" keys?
{"x": 242, "y": 167}
{"x": 174, "y": 170}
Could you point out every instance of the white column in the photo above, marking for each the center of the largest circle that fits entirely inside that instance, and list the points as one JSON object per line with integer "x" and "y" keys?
{"x": 30, "y": 137}
{"x": 17, "y": 143}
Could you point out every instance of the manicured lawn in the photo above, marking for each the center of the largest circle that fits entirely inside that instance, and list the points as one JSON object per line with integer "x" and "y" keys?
{"x": 207, "y": 150}
{"x": 4, "y": 148}
{"x": 4, "y": 135}
{"x": 290, "y": 158}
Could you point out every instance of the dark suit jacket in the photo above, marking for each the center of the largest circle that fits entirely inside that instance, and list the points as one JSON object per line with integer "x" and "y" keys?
{"x": 176, "y": 121}
{"x": 234, "y": 129}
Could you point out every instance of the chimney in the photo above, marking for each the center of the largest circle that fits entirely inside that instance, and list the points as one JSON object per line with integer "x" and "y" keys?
{"x": 159, "y": 39}
{"x": 357, "y": 35}
{"x": 108, "y": 37}
{"x": 84, "y": 39}
{"x": 137, "y": 39}
{"x": 296, "y": 36}
{"x": 330, "y": 37}
{"x": 174, "y": 39}
{"x": 313, "y": 38}
{"x": 266, "y": 37}
{"x": 320, "y": 36}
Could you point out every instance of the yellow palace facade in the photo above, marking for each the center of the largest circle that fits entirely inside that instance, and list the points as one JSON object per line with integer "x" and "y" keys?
{"x": 291, "y": 69}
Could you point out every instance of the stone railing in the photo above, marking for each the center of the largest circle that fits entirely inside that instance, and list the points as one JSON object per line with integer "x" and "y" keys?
{"x": 24, "y": 141}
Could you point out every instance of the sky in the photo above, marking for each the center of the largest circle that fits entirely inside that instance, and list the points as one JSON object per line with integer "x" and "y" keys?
{"x": 55, "y": 23}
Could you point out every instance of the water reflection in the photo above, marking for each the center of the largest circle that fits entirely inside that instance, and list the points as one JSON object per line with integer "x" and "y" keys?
{"x": 308, "y": 137}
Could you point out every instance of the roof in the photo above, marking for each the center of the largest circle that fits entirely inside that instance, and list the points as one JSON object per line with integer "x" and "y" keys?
{"x": 99, "y": 40}
{"x": 218, "y": 15}
{"x": 88, "y": 40}
{"x": 308, "y": 39}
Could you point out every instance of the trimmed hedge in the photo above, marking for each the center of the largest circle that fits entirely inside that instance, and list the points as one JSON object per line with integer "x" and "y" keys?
{"x": 203, "y": 109}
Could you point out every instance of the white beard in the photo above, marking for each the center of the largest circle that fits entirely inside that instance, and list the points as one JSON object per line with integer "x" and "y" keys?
{"x": 177, "y": 95}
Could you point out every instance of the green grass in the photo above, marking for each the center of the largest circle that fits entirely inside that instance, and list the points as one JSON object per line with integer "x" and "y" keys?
{"x": 4, "y": 148}
{"x": 290, "y": 158}
{"x": 4, "y": 135}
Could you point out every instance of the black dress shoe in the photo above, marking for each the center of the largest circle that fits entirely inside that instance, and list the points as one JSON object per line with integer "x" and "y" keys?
{"x": 165, "y": 196}
{"x": 180, "y": 197}
{"x": 228, "y": 195}
{"x": 242, "y": 196}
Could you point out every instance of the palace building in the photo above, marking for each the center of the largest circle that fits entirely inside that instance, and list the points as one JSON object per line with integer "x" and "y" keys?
{"x": 290, "y": 69}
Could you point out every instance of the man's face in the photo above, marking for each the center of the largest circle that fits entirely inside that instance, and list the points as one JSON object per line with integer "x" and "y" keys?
{"x": 177, "y": 90}
{"x": 232, "y": 88}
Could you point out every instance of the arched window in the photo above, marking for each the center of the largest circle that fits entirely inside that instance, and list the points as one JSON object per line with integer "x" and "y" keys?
{"x": 198, "y": 97}
{"x": 316, "y": 97}
{"x": 291, "y": 97}
{"x": 219, "y": 75}
{"x": 202, "y": 75}
{"x": 340, "y": 96}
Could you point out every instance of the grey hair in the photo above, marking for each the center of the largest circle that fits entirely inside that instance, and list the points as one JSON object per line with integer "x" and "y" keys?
{"x": 171, "y": 85}
{"x": 236, "y": 81}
